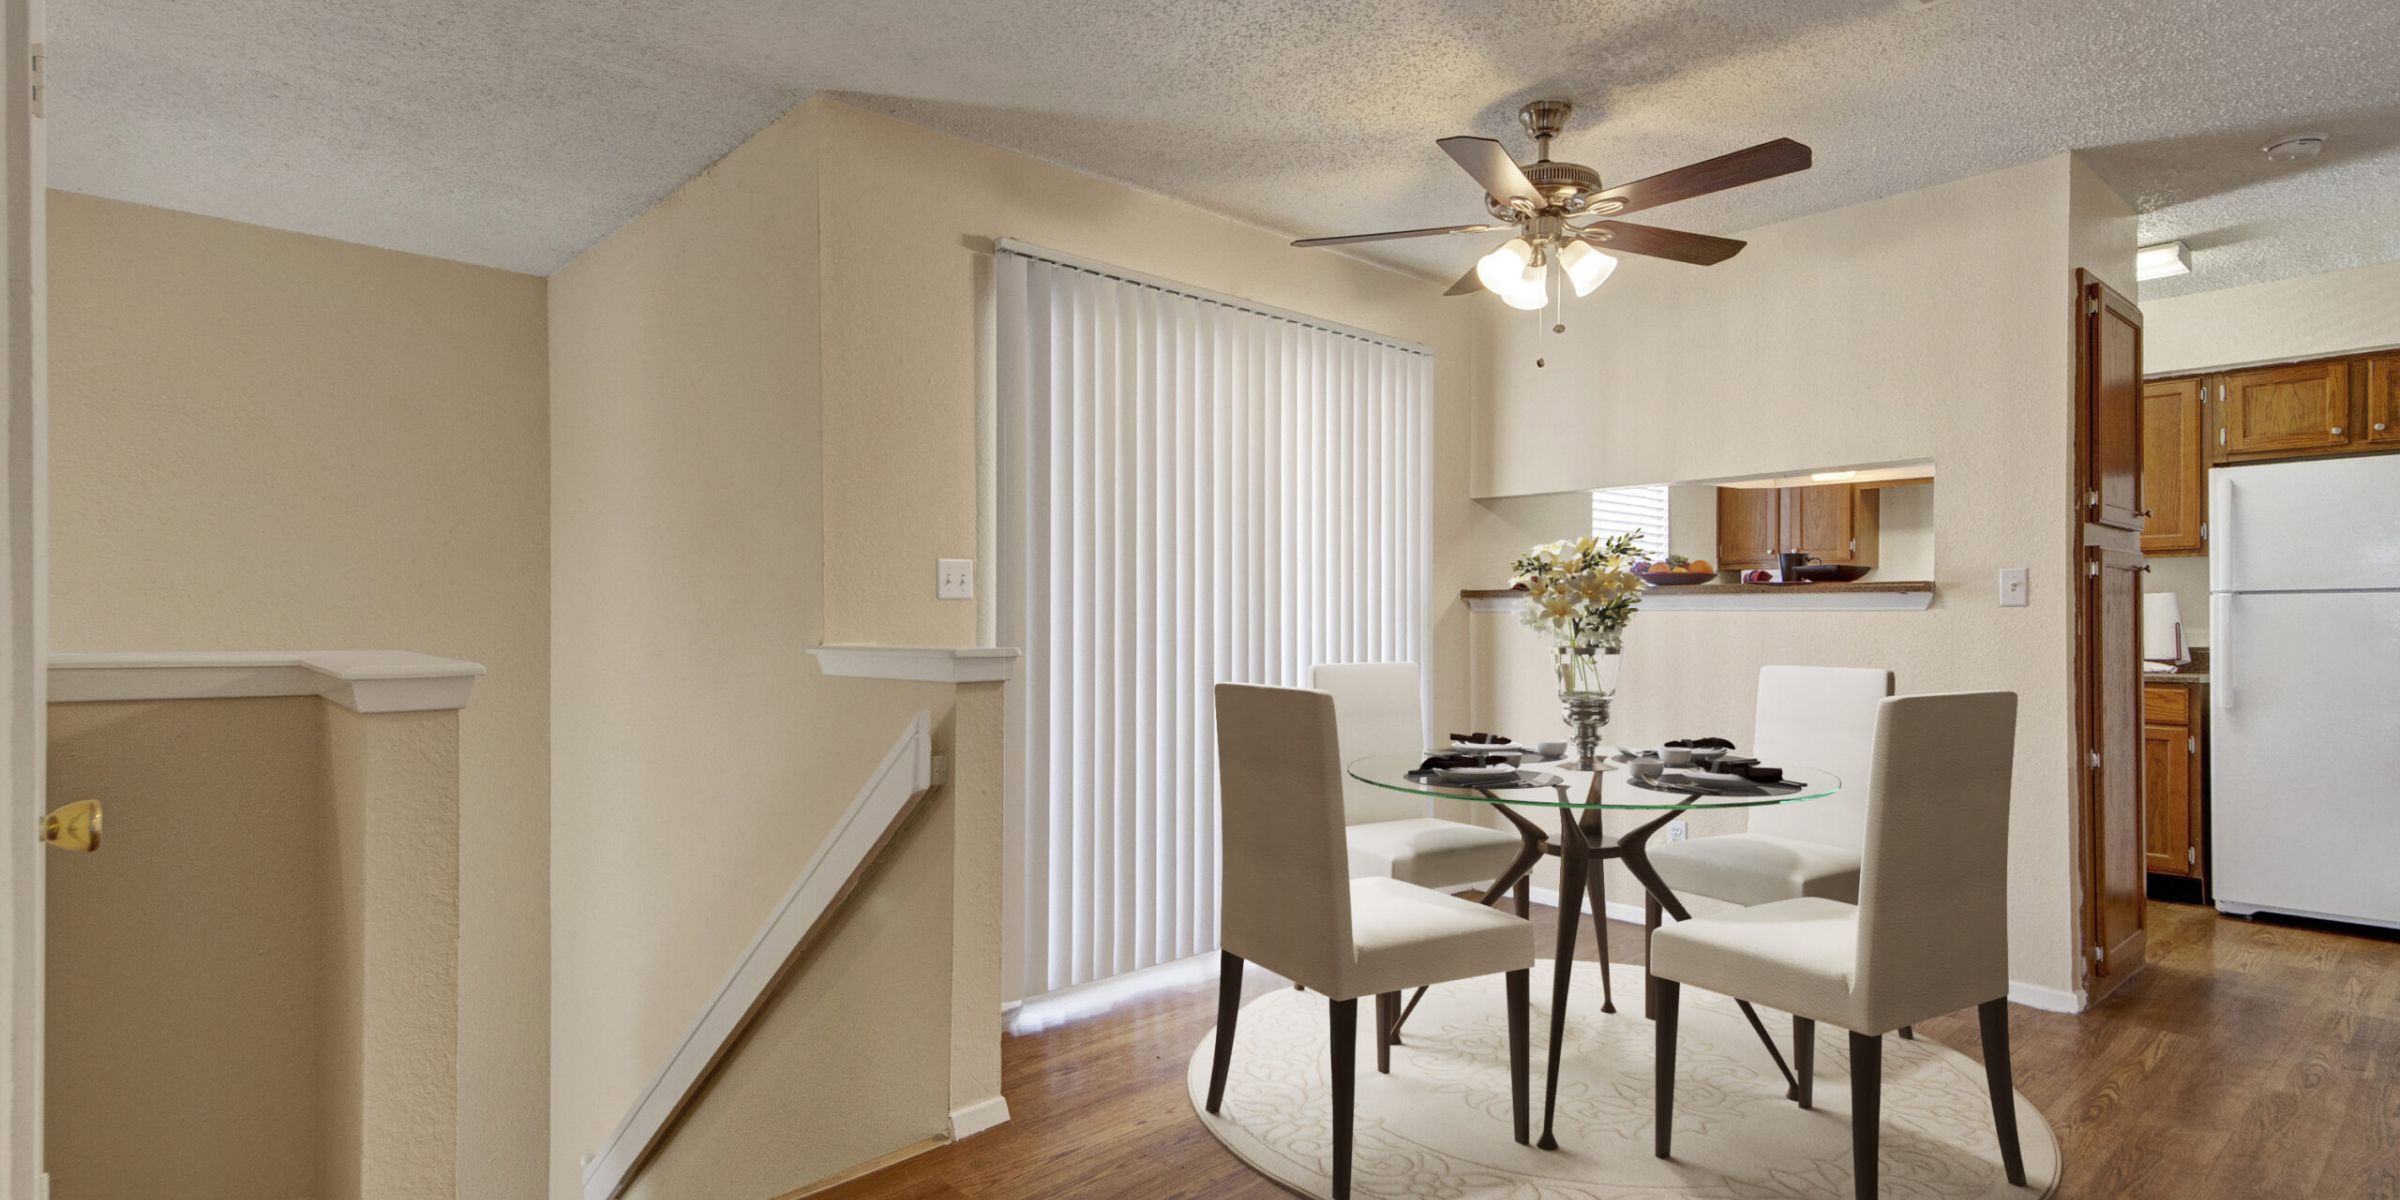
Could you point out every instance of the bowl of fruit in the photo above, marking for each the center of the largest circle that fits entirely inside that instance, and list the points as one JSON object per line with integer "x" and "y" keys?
{"x": 1674, "y": 571}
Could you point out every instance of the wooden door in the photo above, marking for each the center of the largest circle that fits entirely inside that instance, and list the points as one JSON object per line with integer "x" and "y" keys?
{"x": 1749, "y": 526}
{"x": 2113, "y": 363}
{"x": 2117, "y": 864}
{"x": 2174, "y": 459}
{"x": 2286, "y": 410}
{"x": 2383, "y": 402}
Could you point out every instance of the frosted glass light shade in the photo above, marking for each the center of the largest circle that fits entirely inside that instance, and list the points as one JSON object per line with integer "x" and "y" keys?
{"x": 1503, "y": 269}
{"x": 1531, "y": 291}
{"x": 1586, "y": 268}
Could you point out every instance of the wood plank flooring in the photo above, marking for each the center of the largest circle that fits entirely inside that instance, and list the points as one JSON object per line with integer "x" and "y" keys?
{"x": 2249, "y": 1060}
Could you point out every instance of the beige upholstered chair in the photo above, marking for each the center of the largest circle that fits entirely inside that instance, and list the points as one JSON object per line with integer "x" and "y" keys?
{"x": 1929, "y": 934}
{"x": 1379, "y": 709}
{"x": 1288, "y": 902}
{"x": 1814, "y": 716}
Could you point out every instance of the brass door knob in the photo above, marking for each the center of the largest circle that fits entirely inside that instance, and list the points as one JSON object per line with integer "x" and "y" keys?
{"x": 73, "y": 826}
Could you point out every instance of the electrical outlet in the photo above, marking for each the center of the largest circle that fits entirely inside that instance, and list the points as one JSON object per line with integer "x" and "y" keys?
{"x": 1676, "y": 830}
{"x": 954, "y": 579}
{"x": 2014, "y": 587}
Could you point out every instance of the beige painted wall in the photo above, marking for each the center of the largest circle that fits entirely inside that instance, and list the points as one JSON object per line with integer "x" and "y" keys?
{"x": 1930, "y": 325}
{"x": 253, "y": 985}
{"x": 699, "y": 758}
{"x": 262, "y": 440}
{"x": 185, "y": 1005}
{"x": 906, "y": 327}
{"x": 765, "y": 429}
{"x": 393, "y": 1012}
{"x": 2333, "y": 313}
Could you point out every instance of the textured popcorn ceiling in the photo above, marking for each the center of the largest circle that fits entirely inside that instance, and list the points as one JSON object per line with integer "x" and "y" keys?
{"x": 518, "y": 132}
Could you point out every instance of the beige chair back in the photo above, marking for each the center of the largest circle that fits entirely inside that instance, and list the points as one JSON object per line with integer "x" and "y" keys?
{"x": 1285, "y": 900}
{"x": 1820, "y": 717}
{"x": 1380, "y": 709}
{"x": 1933, "y": 898}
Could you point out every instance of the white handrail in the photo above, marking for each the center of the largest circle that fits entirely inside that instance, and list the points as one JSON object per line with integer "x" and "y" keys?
{"x": 892, "y": 794}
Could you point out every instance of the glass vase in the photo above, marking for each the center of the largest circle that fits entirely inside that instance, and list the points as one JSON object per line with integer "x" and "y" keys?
{"x": 1587, "y": 679}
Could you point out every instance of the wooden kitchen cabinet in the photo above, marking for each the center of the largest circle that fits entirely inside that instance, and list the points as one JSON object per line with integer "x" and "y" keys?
{"x": 1834, "y": 522}
{"x": 2174, "y": 468}
{"x": 1749, "y": 527}
{"x": 2280, "y": 412}
{"x": 2383, "y": 402}
{"x": 2174, "y": 815}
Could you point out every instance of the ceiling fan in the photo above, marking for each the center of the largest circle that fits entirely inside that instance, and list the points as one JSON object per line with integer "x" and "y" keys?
{"x": 1550, "y": 206}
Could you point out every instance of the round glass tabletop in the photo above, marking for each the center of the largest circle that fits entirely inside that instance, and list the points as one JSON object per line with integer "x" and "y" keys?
{"x": 1540, "y": 784}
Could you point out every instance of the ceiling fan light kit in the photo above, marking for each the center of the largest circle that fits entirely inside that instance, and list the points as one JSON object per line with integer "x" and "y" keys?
{"x": 1558, "y": 212}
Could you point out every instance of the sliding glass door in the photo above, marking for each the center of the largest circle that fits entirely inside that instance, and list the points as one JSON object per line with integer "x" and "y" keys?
{"x": 1192, "y": 489}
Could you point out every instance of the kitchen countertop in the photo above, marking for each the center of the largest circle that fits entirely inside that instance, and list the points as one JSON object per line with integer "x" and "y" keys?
{"x": 2195, "y": 671}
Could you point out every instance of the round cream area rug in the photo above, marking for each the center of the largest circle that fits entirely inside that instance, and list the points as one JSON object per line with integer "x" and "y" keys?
{"x": 1438, "y": 1125}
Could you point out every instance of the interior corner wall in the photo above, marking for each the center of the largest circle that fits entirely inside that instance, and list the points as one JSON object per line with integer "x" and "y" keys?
{"x": 1929, "y": 325}
{"x": 764, "y": 431}
{"x": 266, "y": 440}
{"x": 699, "y": 758}
{"x": 902, "y": 341}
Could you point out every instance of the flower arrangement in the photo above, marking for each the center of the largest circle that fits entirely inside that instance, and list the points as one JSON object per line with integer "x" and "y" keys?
{"x": 1580, "y": 594}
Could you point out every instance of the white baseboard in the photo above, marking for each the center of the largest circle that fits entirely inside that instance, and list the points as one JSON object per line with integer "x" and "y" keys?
{"x": 2047, "y": 999}
{"x": 1618, "y": 910}
{"x": 978, "y": 1117}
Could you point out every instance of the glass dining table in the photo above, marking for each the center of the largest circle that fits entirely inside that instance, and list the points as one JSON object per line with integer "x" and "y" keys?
{"x": 1579, "y": 797}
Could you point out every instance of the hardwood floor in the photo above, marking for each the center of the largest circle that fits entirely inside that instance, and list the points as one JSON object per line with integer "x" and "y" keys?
{"x": 2249, "y": 1060}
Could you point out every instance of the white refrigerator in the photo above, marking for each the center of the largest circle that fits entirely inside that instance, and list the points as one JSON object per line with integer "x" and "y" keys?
{"x": 2304, "y": 688}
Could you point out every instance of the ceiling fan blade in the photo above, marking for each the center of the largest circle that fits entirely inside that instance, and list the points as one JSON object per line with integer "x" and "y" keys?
{"x": 1467, "y": 284}
{"x": 1697, "y": 248}
{"x": 1489, "y": 163}
{"x": 1347, "y": 239}
{"x": 1763, "y": 161}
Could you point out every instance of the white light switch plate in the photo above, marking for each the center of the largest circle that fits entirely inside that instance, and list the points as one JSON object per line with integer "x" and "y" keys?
{"x": 954, "y": 579}
{"x": 2014, "y": 590}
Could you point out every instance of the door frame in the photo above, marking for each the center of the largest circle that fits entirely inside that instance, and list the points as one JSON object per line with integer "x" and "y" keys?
{"x": 25, "y": 498}
{"x": 2092, "y": 541}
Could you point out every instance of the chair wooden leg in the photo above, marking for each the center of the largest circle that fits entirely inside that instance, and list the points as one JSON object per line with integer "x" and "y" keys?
{"x": 1669, "y": 995}
{"x": 1387, "y": 1013}
{"x": 1520, "y": 1053}
{"x": 1525, "y": 899}
{"x": 1597, "y": 884}
{"x": 1345, "y": 1090}
{"x": 1229, "y": 1010}
{"x": 1652, "y": 917}
{"x": 1994, "y": 1016}
{"x": 1866, "y": 1109}
{"x": 1908, "y": 1033}
{"x": 1804, "y": 1058}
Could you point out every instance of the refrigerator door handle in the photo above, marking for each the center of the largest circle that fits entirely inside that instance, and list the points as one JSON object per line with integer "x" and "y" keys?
{"x": 2220, "y": 637}
{"x": 2220, "y": 551}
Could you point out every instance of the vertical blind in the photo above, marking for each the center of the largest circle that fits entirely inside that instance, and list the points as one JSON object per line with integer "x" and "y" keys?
{"x": 1632, "y": 509}
{"x": 1192, "y": 490}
